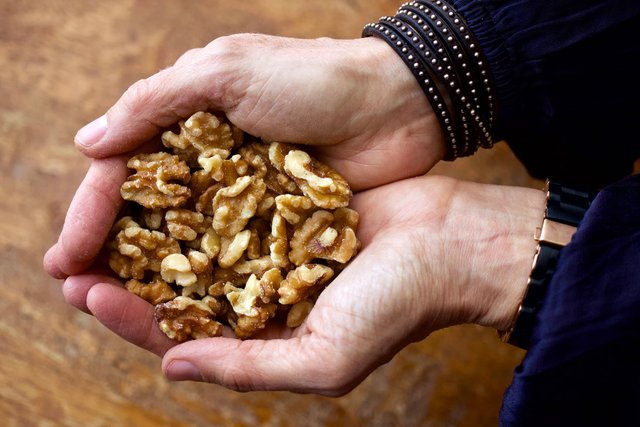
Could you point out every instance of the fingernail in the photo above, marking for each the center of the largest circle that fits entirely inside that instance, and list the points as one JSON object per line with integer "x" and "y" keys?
{"x": 93, "y": 132}
{"x": 181, "y": 370}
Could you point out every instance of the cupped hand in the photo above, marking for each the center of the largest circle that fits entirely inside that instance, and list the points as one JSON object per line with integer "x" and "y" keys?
{"x": 436, "y": 252}
{"x": 355, "y": 99}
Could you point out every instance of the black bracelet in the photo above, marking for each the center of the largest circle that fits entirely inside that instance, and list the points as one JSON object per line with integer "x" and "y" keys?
{"x": 461, "y": 52}
{"x": 412, "y": 59}
{"x": 439, "y": 63}
{"x": 472, "y": 57}
{"x": 443, "y": 51}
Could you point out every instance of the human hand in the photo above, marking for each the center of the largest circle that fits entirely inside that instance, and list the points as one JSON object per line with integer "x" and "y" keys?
{"x": 436, "y": 252}
{"x": 355, "y": 99}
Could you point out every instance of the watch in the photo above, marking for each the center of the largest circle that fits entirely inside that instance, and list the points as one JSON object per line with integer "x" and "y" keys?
{"x": 565, "y": 208}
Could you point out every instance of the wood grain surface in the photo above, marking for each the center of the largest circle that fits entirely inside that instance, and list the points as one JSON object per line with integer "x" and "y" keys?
{"x": 63, "y": 63}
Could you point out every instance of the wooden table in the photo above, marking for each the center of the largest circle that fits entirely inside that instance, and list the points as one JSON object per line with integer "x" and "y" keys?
{"x": 65, "y": 62}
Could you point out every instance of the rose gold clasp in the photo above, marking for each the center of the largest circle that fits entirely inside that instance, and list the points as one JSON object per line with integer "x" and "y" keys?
{"x": 554, "y": 233}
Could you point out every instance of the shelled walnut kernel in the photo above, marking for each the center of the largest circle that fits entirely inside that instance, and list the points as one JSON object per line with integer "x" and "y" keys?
{"x": 233, "y": 231}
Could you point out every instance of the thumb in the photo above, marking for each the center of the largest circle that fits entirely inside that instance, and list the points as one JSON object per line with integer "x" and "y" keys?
{"x": 152, "y": 104}
{"x": 307, "y": 364}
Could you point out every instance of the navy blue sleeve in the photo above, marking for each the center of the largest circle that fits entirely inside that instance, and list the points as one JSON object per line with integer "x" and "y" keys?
{"x": 583, "y": 367}
{"x": 567, "y": 82}
{"x": 569, "y": 96}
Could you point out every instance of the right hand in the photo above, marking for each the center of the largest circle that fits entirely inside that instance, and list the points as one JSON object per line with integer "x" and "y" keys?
{"x": 436, "y": 252}
{"x": 355, "y": 99}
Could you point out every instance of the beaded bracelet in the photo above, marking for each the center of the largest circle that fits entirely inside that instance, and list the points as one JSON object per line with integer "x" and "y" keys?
{"x": 470, "y": 59}
{"x": 466, "y": 41}
{"x": 444, "y": 52}
{"x": 458, "y": 79}
{"x": 428, "y": 85}
{"x": 442, "y": 69}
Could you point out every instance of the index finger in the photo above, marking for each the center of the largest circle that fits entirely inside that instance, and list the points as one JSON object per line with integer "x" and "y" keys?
{"x": 92, "y": 212}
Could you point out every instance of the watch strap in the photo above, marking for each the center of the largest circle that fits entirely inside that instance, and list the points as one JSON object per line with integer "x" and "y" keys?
{"x": 544, "y": 265}
{"x": 565, "y": 208}
{"x": 567, "y": 204}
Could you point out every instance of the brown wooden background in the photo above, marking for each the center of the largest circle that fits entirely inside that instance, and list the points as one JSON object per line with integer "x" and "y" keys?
{"x": 62, "y": 63}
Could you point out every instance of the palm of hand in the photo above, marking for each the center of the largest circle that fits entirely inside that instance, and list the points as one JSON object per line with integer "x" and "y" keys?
{"x": 290, "y": 91}
{"x": 368, "y": 313}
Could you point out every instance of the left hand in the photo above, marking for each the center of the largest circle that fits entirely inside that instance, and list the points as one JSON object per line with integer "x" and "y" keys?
{"x": 354, "y": 100}
{"x": 436, "y": 252}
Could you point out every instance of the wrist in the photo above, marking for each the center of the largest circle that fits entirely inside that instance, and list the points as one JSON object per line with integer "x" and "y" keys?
{"x": 399, "y": 103}
{"x": 496, "y": 262}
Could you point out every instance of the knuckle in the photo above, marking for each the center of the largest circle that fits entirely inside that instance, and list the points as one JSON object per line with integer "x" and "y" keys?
{"x": 137, "y": 96}
{"x": 228, "y": 44}
{"x": 237, "y": 44}
{"x": 233, "y": 379}
{"x": 188, "y": 56}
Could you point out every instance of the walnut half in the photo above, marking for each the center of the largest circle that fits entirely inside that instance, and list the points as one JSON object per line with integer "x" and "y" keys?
{"x": 184, "y": 318}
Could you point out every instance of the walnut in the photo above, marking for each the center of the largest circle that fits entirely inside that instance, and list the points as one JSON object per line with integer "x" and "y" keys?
{"x": 154, "y": 183}
{"x": 200, "y": 182}
{"x": 210, "y": 243}
{"x": 323, "y": 185}
{"x": 223, "y": 170}
{"x": 176, "y": 268}
{"x": 279, "y": 245}
{"x": 277, "y": 153}
{"x": 202, "y": 267}
{"x": 229, "y": 275}
{"x": 183, "y": 318}
{"x": 217, "y": 289}
{"x": 231, "y": 249}
{"x": 201, "y": 136}
{"x": 294, "y": 209}
{"x": 121, "y": 224}
{"x": 254, "y": 305}
{"x": 204, "y": 203}
{"x": 224, "y": 217}
{"x": 263, "y": 228}
{"x": 254, "y": 266}
{"x": 254, "y": 247}
{"x": 219, "y": 306}
{"x": 303, "y": 281}
{"x": 155, "y": 292}
{"x": 298, "y": 313}
{"x": 153, "y": 218}
{"x": 265, "y": 207}
{"x": 256, "y": 156}
{"x": 235, "y": 205}
{"x": 326, "y": 236}
{"x": 256, "y": 293}
{"x": 276, "y": 180}
{"x": 186, "y": 225}
{"x": 136, "y": 250}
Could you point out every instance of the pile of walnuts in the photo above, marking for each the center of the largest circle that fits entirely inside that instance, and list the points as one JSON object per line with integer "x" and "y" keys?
{"x": 222, "y": 229}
